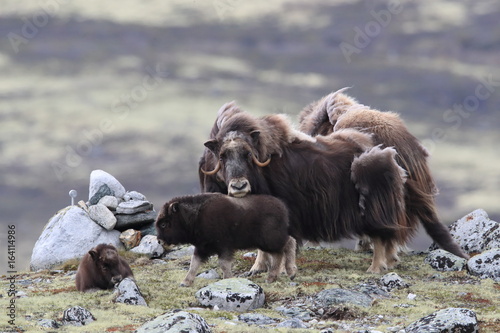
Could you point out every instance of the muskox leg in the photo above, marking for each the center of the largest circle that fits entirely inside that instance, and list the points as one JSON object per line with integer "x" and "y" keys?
{"x": 363, "y": 244}
{"x": 290, "y": 252}
{"x": 225, "y": 263}
{"x": 275, "y": 265}
{"x": 196, "y": 262}
{"x": 391, "y": 254}
{"x": 379, "y": 257}
{"x": 260, "y": 264}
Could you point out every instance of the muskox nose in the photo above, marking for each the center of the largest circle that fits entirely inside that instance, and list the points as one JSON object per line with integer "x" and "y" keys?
{"x": 239, "y": 187}
{"x": 116, "y": 279}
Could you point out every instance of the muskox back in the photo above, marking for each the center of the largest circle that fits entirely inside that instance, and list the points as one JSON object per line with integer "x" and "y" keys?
{"x": 337, "y": 111}
{"x": 101, "y": 268}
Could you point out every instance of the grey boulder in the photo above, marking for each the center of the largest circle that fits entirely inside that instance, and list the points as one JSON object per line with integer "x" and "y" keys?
{"x": 234, "y": 294}
{"x": 128, "y": 292}
{"x": 444, "y": 261}
{"x": 336, "y": 296}
{"x": 68, "y": 235}
{"x": 447, "y": 320}
{"x": 150, "y": 246}
{"x": 101, "y": 215}
{"x": 176, "y": 321}
{"x": 486, "y": 265}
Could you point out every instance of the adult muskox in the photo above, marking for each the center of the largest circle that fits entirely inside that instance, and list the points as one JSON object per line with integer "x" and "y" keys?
{"x": 338, "y": 111}
{"x": 335, "y": 186}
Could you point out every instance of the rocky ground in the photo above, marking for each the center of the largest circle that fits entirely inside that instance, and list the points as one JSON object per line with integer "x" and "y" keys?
{"x": 43, "y": 296}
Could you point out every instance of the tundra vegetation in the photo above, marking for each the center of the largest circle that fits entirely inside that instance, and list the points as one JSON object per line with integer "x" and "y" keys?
{"x": 49, "y": 293}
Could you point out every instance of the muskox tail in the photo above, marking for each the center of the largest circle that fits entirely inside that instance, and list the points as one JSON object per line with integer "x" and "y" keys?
{"x": 380, "y": 182}
{"x": 421, "y": 205}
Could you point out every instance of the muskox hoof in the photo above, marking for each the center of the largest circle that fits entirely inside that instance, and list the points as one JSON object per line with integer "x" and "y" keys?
{"x": 186, "y": 284}
{"x": 376, "y": 269}
{"x": 271, "y": 279}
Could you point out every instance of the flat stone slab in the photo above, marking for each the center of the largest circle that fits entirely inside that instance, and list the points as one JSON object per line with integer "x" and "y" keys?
{"x": 235, "y": 294}
{"x": 134, "y": 221}
{"x": 133, "y": 206}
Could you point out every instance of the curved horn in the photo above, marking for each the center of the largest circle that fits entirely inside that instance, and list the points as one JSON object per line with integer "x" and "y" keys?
{"x": 261, "y": 164}
{"x": 214, "y": 171}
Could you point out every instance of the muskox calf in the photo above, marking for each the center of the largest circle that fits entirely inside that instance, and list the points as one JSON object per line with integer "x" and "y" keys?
{"x": 101, "y": 268}
{"x": 218, "y": 224}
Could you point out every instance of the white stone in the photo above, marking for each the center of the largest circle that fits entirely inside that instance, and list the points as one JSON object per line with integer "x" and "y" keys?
{"x": 68, "y": 235}
{"x": 111, "y": 202}
{"x": 235, "y": 294}
{"x": 99, "y": 178}
{"x": 149, "y": 245}
{"x": 134, "y": 195}
{"x": 443, "y": 261}
{"x": 101, "y": 215}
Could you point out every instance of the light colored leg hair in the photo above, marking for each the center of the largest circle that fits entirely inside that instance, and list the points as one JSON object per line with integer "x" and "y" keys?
{"x": 275, "y": 265}
{"x": 364, "y": 244}
{"x": 378, "y": 263}
{"x": 290, "y": 256}
{"x": 225, "y": 263}
{"x": 391, "y": 254}
{"x": 261, "y": 263}
{"x": 193, "y": 269}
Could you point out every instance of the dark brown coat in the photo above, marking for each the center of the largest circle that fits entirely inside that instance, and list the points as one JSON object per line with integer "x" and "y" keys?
{"x": 218, "y": 224}
{"x": 338, "y": 111}
{"x": 101, "y": 268}
{"x": 335, "y": 186}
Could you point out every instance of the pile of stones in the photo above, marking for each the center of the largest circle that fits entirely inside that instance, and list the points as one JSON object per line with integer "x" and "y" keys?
{"x": 112, "y": 215}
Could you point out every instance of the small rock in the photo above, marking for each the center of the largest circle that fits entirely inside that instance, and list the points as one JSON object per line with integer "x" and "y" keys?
{"x": 296, "y": 312}
{"x": 186, "y": 251}
{"x": 110, "y": 202}
{"x": 372, "y": 290}
{"x": 133, "y": 206}
{"x": 486, "y": 265}
{"x": 134, "y": 195}
{"x": 250, "y": 255}
{"x": 337, "y": 296}
{"x": 149, "y": 245}
{"x": 128, "y": 292}
{"x": 447, "y": 320}
{"x": 210, "y": 274}
{"x": 393, "y": 281}
{"x": 176, "y": 321}
{"x": 48, "y": 323}
{"x": 77, "y": 316}
{"x": 130, "y": 238}
{"x": 292, "y": 323}
{"x": 443, "y": 261}
{"x": 235, "y": 294}
{"x": 411, "y": 296}
{"x": 134, "y": 221}
{"x": 98, "y": 178}
{"x": 101, "y": 215}
{"x": 256, "y": 319}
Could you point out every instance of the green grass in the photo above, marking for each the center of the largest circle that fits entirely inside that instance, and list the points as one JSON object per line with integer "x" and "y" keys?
{"x": 319, "y": 269}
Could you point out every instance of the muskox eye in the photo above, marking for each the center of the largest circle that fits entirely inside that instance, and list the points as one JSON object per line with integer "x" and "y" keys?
{"x": 163, "y": 225}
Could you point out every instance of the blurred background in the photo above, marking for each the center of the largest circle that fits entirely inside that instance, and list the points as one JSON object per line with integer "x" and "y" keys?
{"x": 133, "y": 87}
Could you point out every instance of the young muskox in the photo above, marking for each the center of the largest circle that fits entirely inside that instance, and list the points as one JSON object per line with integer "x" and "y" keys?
{"x": 218, "y": 224}
{"x": 101, "y": 268}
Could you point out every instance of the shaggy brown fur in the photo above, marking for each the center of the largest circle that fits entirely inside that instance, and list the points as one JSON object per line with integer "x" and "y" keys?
{"x": 329, "y": 196}
{"x": 101, "y": 268}
{"x": 218, "y": 224}
{"x": 337, "y": 111}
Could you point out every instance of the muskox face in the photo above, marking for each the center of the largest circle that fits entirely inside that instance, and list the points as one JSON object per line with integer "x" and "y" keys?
{"x": 106, "y": 259}
{"x": 238, "y": 167}
{"x": 171, "y": 224}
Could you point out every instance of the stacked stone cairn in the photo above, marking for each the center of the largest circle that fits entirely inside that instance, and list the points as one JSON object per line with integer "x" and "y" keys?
{"x": 112, "y": 207}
